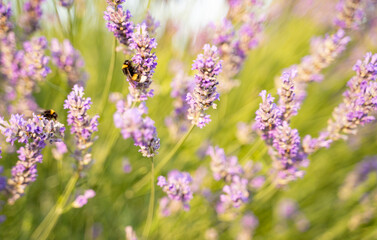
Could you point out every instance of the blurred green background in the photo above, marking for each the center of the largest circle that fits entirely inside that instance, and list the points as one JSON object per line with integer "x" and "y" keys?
{"x": 121, "y": 200}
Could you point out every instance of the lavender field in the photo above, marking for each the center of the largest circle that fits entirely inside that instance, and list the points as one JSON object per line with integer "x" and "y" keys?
{"x": 196, "y": 119}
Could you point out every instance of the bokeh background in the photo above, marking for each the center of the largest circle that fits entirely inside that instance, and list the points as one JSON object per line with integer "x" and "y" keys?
{"x": 122, "y": 198}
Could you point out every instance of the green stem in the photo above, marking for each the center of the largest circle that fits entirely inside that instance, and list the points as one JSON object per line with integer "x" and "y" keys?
{"x": 44, "y": 229}
{"x": 109, "y": 79}
{"x": 165, "y": 160}
{"x": 70, "y": 32}
{"x": 59, "y": 21}
{"x": 151, "y": 205}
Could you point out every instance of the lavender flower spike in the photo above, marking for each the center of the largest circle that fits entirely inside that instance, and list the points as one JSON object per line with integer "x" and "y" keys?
{"x": 289, "y": 156}
{"x": 359, "y": 100}
{"x": 31, "y": 15}
{"x": 132, "y": 124}
{"x": 236, "y": 193}
{"x": 268, "y": 116}
{"x": 118, "y": 21}
{"x": 66, "y": 3}
{"x": 223, "y": 167}
{"x": 177, "y": 186}
{"x": 350, "y": 14}
{"x": 144, "y": 63}
{"x": 205, "y": 93}
{"x": 69, "y": 60}
{"x": 34, "y": 133}
{"x": 287, "y": 101}
{"x": 5, "y": 23}
{"x": 82, "y": 126}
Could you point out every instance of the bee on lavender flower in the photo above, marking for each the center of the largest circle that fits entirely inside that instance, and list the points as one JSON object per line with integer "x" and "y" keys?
{"x": 49, "y": 114}
{"x": 129, "y": 71}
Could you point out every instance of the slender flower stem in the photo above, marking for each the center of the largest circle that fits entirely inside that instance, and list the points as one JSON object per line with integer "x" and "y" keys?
{"x": 70, "y": 31}
{"x": 109, "y": 79}
{"x": 44, "y": 229}
{"x": 151, "y": 204}
{"x": 165, "y": 160}
{"x": 59, "y": 20}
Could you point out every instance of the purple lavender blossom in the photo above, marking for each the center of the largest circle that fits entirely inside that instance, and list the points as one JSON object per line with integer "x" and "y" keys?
{"x": 3, "y": 180}
{"x": 59, "y": 150}
{"x": 235, "y": 44}
{"x": 223, "y": 37}
{"x": 130, "y": 233}
{"x": 2, "y": 218}
{"x": 287, "y": 100}
{"x": 349, "y": 14}
{"x": 310, "y": 144}
{"x": 5, "y": 24}
{"x": 34, "y": 133}
{"x": 247, "y": 35}
{"x": 287, "y": 209}
{"x": 360, "y": 99}
{"x": 127, "y": 168}
{"x": 177, "y": 187}
{"x": 151, "y": 24}
{"x": 359, "y": 175}
{"x": 118, "y": 22}
{"x": 289, "y": 154}
{"x": 82, "y": 126}
{"x": 69, "y": 60}
{"x": 35, "y": 58}
{"x": 82, "y": 200}
{"x": 144, "y": 62}
{"x": 249, "y": 223}
{"x": 223, "y": 167}
{"x": 204, "y": 94}
{"x": 324, "y": 51}
{"x": 236, "y": 193}
{"x": 24, "y": 69}
{"x": 177, "y": 122}
{"x": 31, "y": 16}
{"x": 268, "y": 116}
{"x": 66, "y": 3}
{"x": 132, "y": 124}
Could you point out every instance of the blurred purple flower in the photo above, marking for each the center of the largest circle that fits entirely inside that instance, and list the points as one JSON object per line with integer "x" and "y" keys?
{"x": 350, "y": 14}
{"x": 177, "y": 122}
{"x": 69, "y": 60}
{"x": 151, "y": 24}
{"x": 66, "y": 3}
{"x": 235, "y": 194}
{"x": 132, "y": 124}
{"x": 323, "y": 51}
{"x": 359, "y": 175}
{"x": 23, "y": 69}
{"x": 287, "y": 209}
{"x": 31, "y": 15}
{"x": 223, "y": 167}
{"x": 204, "y": 94}
{"x": 5, "y": 24}
{"x": 130, "y": 233}
{"x": 82, "y": 200}
{"x": 127, "y": 168}
{"x": 177, "y": 187}
{"x": 82, "y": 125}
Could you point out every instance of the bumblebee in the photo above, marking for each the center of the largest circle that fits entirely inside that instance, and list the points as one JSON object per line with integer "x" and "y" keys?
{"x": 129, "y": 71}
{"x": 49, "y": 114}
